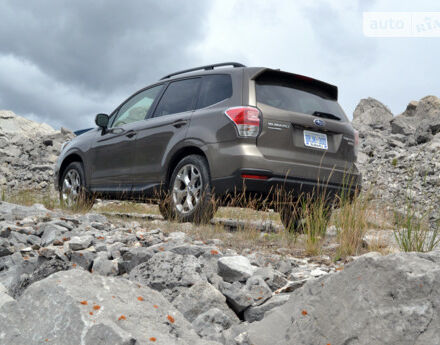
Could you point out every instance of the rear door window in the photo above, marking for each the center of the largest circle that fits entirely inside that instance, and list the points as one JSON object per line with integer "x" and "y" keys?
{"x": 215, "y": 88}
{"x": 290, "y": 97}
{"x": 179, "y": 96}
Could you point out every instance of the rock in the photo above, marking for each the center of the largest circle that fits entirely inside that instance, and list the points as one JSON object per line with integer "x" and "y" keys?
{"x": 27, "y": 146}
{"x": 258, "y": 290}
{"x": 22, "y": 273}
{"x": 91, "y": 309}
{"x": 104, "y": 266}
{"x": 211, "y": 324}
{"x": 386, "y": 300}
{"x": 79, "y": 243}
{"x": 188, "y": 249}
{"x": 50, "y": 233}
{"x": 380, "y": 239}
{"x": 5, "y": 248}
{"x": 274, "y": 279}
{"x": 237, "y": 296}
{"x": 371, "y": 112}
{"x": 83, "y": 258}
{"x": 168, "y": 271}
{"x": 256, "y": 313}
{"x": 240, "y": 297}
{"x": 235, "y": 268}
{"x": 4, "y": 297}
{"x": 136, "y": 256}
{"x": 199, "y": 298}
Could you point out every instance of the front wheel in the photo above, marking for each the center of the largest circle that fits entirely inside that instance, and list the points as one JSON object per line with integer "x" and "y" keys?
{"x": 189, "y": 196}
{"x": 72, "y": 190}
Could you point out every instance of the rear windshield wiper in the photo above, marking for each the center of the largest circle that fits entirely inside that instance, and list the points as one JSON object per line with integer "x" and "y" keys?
{"x": 326, "y": 115}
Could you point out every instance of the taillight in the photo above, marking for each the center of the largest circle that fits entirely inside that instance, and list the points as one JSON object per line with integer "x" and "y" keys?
{"x": 246, "y": 119}
{"x": 356, "y": 142}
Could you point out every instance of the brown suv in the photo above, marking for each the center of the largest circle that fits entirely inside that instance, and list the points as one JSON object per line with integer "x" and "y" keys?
{"x": 216, "y": 131}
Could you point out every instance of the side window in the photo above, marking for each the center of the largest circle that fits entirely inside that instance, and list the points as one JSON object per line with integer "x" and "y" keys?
{"x": 137, "y": 107}
{"x": 178, "y": 97}
{"x": 215, "y": 88}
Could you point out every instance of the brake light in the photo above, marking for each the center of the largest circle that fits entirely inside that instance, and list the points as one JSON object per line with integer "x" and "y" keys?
{"x": 254, "y": 177}
{"x": 246, "y": 119}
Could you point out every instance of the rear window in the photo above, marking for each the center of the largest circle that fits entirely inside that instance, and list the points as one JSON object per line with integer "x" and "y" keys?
{"x": 178, "y": 97}
{"x": 292, "y": 96}
{"x": 215, "y": 88}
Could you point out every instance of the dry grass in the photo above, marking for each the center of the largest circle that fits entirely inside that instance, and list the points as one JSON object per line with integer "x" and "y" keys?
{"x": 352, "y": 219}
{"x": 28, "y": 197}
{"x": 127, "y": 207}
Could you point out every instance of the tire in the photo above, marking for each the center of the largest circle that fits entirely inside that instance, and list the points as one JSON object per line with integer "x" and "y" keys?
{"x": 189, "y": 196}
{"x": 291, "y": 218}
{"x": 73, "y": 193}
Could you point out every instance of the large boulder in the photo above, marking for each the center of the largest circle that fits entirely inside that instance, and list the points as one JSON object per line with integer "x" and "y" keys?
{"x": 420, "y": 119}
{"x": 375, "y": 300}
{"x": 28, "y": 151}
{"x": 76, "y": 307}
{"x": 370, "y": 112}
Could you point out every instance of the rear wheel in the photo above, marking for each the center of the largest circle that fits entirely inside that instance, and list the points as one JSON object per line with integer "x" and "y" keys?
{"x": 291, "y": 218}
{"x": 72, "y": 189}
{"x": 294, "y": 217}
{"x": 189, "y": 196}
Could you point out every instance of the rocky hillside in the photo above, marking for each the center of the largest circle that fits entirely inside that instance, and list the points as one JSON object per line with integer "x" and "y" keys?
{"x": 82, "y": 279}
{"x": 400, "y": 155}
{"x": 28, "y": 151}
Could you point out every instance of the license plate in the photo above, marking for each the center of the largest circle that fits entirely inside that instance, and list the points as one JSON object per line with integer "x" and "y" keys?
{"x": 315, "y": 140}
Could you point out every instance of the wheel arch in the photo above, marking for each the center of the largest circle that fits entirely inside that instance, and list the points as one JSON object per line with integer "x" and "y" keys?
{"x": 72, "y": 157}
{"x": 178, "y": 155}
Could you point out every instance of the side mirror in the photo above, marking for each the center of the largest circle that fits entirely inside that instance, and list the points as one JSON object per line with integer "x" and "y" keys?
{"x": 101, "y": 120}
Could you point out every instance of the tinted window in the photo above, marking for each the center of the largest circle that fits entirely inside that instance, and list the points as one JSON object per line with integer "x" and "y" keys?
{"x": 290, "y": 98}
{"x": 215, "y": 88}
{"x": 178, "y": 97}
{"x": 137, "y": 107}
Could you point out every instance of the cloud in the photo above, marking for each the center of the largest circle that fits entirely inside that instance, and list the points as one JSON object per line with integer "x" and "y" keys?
{"x": 63, "y": 61}
{"x": 84, "y": 52}
{"x": 324, "y": 39}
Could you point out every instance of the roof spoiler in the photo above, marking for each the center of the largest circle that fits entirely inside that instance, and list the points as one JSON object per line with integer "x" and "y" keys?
{"x": 309, "y": 84}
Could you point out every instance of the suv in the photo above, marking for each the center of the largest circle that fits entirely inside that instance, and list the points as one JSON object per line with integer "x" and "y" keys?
{"x": 216, "y": 131}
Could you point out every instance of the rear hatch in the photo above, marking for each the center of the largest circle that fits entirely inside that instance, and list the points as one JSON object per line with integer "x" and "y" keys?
{"x": 303, "y": 122}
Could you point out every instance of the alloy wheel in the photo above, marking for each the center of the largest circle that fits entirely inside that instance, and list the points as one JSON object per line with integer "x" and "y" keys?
{"x": 71, "y": 187}
{"x": 187, "y": 188}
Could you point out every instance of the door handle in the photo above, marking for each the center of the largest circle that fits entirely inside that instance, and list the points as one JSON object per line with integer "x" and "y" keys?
{"x": 130, "y": 134}
{"x": 179, "y": 123}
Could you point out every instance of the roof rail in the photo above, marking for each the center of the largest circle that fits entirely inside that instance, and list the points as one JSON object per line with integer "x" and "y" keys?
{"x": 206, "y": 68}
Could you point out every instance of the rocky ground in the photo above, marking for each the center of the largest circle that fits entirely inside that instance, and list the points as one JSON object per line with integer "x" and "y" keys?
{"x": 82, "y": 279}
{"x": 207, "y": 290}
{"x": 400, "y": 155}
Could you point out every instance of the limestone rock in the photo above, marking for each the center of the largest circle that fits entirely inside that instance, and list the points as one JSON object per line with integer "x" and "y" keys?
{"x": 91, "y": 309}
{"x": 386, "y": 300}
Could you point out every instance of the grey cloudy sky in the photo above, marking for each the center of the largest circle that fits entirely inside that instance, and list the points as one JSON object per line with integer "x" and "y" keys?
{"x": 63, "y": 61}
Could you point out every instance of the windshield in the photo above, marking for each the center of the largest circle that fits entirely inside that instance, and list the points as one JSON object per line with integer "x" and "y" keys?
{"x": 292, "y": 99}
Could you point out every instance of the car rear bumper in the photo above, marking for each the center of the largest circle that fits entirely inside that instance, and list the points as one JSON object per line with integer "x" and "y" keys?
{"x": 274, "y": 187}
{"x": 229, "y": 161}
